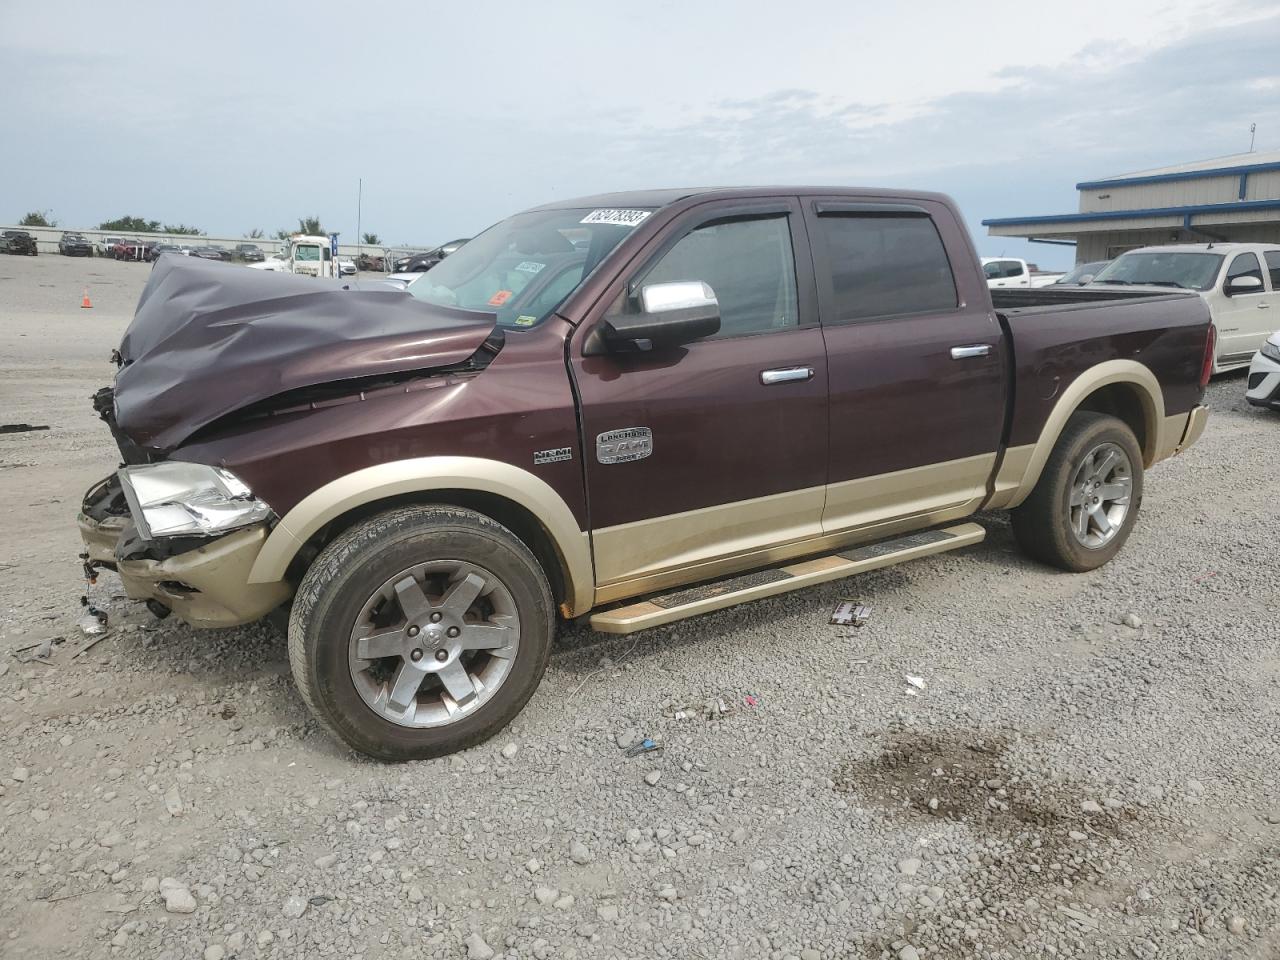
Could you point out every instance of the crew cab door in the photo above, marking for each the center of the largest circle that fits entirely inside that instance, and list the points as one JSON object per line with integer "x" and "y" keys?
{"x": 916, "y": 362}
{"x": 1244, "y": 319}
{"x": 702, "y": 457}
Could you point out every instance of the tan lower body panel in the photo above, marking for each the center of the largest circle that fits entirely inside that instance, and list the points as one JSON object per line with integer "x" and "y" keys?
{"x": 767, "y": 583}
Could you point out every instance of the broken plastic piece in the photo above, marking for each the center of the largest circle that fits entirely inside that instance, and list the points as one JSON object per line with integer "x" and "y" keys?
{"x": 850, "y": 613}
{"x": 93, "y": 622}
{"x": 644, "y": 746}
{"x": 917, "y": 682}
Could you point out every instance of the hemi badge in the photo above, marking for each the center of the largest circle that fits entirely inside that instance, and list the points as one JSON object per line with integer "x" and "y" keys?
{"x": 552, "y": 456}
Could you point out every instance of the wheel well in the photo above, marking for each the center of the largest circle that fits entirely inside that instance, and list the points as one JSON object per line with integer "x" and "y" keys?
{"x": 1125, "y": 402}
{"x": 511, "y": 515}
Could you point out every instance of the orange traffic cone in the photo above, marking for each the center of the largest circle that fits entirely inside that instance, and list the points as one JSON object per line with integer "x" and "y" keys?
{"x": 85, "y": 304}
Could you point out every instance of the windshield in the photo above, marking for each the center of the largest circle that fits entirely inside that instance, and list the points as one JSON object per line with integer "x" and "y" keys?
{"x": 306, "y": 251}
{"x": 524, "y": 267}
{"x": 1192, "y": 271}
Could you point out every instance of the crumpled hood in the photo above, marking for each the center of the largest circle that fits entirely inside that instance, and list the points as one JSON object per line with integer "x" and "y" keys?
{"x": 209, "y": 338}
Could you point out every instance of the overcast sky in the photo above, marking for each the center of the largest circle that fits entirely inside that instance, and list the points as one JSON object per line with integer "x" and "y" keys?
{"x": 234, "y": 115}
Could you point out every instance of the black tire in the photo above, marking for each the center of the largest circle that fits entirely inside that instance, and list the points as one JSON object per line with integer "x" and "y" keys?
{"x": 350, "y": 569}
{"x": 1041, "y": 523}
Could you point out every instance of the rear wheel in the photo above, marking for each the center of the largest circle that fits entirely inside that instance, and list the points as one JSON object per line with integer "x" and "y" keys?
{"x": 421, "y": 631}
{"x": 1086, "y": 501}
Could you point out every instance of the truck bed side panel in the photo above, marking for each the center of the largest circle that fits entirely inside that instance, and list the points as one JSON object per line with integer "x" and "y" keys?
{"x": 1054, "y": 345}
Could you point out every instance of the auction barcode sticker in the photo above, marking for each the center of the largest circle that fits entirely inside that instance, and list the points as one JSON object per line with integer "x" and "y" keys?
{"x": 621, "y": 218}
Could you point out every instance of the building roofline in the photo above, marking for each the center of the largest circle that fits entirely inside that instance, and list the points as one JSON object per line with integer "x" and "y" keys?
{"x": 1185, "y": 211}
{"x": 1234, "y": 171}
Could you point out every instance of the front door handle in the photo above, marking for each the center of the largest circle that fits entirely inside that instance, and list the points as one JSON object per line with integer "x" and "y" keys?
{"x": 786, "y": 375}
{"x": 976, "y": 350}
{"x": 1264, "y": 306}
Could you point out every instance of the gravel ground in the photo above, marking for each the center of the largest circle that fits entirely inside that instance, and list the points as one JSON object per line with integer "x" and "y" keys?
{"x": 1088, "y": 768}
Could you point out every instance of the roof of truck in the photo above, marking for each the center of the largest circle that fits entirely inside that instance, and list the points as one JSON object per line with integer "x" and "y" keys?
{"x": 663, "y": 197}
{"x": 1203, "y": 247}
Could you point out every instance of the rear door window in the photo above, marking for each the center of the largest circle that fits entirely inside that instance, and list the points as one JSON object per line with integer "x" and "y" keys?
{"x": 1273, "y": 267}
{"x": 886, "y": 265}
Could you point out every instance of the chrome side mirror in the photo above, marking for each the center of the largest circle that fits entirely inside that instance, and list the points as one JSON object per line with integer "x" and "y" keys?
{"x": 670, "y": 314}
{"x": 1243, "y": 285}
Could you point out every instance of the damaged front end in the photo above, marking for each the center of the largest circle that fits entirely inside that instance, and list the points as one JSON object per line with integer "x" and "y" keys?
{"x": 216, "y": 347}
{"x": 203, "y": 579}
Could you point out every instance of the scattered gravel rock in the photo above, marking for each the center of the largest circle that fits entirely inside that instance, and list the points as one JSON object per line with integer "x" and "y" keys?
{"x": 177, "y": 898}
{"x": 294, "y": 907}
{"x": 477, "y": 949}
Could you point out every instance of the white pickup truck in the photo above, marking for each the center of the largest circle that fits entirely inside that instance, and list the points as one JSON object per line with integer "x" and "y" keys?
{"x": 306, "y": 255}
{"x": 1012, "y": 272}
{"x": 1239, "y": 281}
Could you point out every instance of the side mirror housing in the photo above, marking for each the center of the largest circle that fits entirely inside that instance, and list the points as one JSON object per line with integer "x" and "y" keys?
{"x": 670, "y": 314}
{"x": 1243, "y": 285}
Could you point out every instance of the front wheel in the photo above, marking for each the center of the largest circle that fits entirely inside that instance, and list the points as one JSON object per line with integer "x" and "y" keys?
{"x": 1086, "y": 501}
{"x": 421, "y": 631}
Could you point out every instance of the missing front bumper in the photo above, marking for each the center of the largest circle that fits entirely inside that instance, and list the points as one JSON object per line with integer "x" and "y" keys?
{"x": 205, "y": 586}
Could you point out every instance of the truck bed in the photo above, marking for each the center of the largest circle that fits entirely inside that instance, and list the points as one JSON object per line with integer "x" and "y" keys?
{"x": 1034, "y": 299}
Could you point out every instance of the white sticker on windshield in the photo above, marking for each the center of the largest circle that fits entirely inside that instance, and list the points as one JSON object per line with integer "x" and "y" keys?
{"x": 529, "y": 266}
{"x": 620, "y": 218}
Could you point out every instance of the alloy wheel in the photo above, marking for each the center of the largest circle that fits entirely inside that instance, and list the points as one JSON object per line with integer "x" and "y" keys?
{"x": 434, "y": 643}
{"x": 1100, "y": 495}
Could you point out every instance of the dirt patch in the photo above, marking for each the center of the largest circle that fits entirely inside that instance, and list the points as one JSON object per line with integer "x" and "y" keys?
{"x": 1034, "y": 844}
{"x": 965, "y": 777}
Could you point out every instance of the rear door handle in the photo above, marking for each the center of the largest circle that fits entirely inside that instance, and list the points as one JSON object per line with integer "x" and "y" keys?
{"x": 976, "y": 350}
{"x": 786, "y": 375}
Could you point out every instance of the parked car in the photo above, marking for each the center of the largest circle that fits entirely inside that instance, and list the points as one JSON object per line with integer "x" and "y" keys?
{"x": 19, "y": 243}
{"x": 1081, "y": 275}
{"x": 212, "y": 252}
{"x": 107, "y": 246}
{"x": 132, "y": 250}
{"x": 1013, "y": 272}
{"x": 421, "y": 262}
{"x": 346, "y": 267}
{"x": 658, "y": 425}
{"x": 248, "y": 253}
{"x": 74, "y": 245}
{"x": 159, "y": 248}
{"x": 1239, "y": 282}
{"x": 1263, "y": 389}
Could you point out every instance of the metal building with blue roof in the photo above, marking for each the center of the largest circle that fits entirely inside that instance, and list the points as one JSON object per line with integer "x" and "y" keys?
{"x": 1235, "y": 198}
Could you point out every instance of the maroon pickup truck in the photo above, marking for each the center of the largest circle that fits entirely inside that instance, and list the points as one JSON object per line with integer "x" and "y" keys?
{"x": 630, "y": 408}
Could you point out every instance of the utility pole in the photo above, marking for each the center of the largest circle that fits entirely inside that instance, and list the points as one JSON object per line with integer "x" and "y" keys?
{"x": 1253, "y": 127}
{"x": 359, "y": 235}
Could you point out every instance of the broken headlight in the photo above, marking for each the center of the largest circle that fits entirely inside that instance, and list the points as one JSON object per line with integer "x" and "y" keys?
{"x": 188, "y": 499}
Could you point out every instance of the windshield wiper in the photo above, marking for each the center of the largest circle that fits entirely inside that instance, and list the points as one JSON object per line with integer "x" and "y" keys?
{"x": 1165, "y": 283}
{"x": 1125, "y": 282}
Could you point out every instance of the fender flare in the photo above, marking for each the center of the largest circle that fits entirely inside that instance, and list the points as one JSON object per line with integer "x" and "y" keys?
{"x": 422, "y": 475}
{"x": 1023, "y": 465}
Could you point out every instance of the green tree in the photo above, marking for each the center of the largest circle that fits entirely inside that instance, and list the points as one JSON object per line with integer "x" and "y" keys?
{"x": 255, "y": 234}
{"x": 38, "y": 218}
{"x": 181, "y": 229}
{"x": 131, "y": 225}
{"x": 311, "y": 225}
{"x": 284, "y": 234}
{"x": 372, "y": 239}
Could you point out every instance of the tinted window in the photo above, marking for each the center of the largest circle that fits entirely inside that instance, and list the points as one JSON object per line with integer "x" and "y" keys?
{"x": 1245, "y": 265}
{"x": 882, "y": 266}
{"x": 749, "y": 265}
{"x": 1273, "y": 267}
